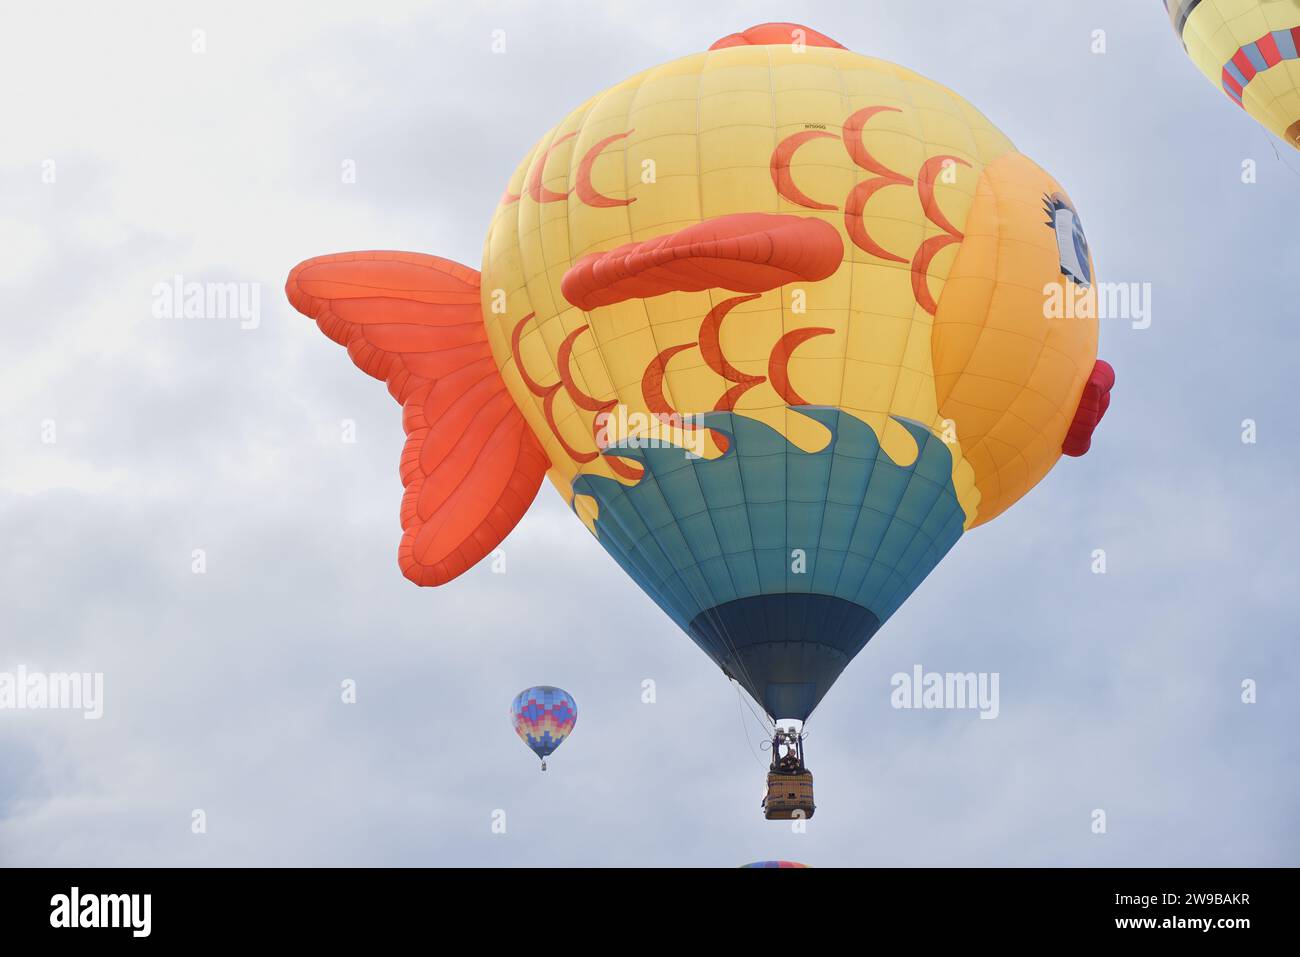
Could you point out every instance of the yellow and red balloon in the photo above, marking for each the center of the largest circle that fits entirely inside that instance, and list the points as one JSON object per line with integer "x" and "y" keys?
{"x": 1249, "y": 49}
{"x": 825, "y": 274}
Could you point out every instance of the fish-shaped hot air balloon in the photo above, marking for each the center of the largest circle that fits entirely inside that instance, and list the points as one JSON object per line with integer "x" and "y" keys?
{"x": 773, "y": 319}
{"x": 1249, "y": 49}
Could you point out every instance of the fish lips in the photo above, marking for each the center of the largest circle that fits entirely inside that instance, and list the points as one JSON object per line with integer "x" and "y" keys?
{"x": 1092, "y": 408}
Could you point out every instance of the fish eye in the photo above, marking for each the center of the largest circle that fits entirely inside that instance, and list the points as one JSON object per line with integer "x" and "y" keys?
{"x": 1070, "y": 239}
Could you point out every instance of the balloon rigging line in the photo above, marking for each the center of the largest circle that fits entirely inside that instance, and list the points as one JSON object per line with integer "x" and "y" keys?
{"x": 766, "y": 725}
{"x": 740, "y": 711}
{"x": 1294, "y": 171}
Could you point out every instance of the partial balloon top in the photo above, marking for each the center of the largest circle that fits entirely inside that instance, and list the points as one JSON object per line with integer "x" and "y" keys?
{"x": 1250, "y": 49}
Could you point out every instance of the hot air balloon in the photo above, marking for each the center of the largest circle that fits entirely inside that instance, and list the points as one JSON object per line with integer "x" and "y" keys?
{"x": 543, "y": 717}
{"x": 771, "y": 317}
{"x": 774, "y": 864}
{"x": 1250, "y": 49}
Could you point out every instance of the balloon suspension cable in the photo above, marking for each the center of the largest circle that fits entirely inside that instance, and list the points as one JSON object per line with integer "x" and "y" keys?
{"x": 744, "y": 728}
{"x": 1294, "y": 171}
{"x": 734, "y": 652}
{"x": 765, "y": 722}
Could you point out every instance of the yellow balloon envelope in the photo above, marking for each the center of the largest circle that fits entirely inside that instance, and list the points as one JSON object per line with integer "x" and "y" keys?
{"x": 780, "y": 321}
{"x": 1250, "y": 49}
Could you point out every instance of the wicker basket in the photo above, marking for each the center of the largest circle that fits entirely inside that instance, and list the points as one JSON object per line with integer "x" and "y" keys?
{"x": 789, "y": 796}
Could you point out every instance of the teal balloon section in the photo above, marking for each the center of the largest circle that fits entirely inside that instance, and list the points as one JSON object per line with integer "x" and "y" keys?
{"x": 779, "y": 563}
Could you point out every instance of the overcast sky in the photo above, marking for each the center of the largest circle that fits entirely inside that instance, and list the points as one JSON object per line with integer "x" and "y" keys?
{"x": 1120, "y": 692}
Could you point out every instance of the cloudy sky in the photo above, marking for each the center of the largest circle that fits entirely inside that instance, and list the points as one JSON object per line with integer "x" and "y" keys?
{"x": 129, "y": 441}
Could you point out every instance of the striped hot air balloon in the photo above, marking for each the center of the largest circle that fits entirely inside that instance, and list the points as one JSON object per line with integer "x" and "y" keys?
{"x": 1249, "y": 49}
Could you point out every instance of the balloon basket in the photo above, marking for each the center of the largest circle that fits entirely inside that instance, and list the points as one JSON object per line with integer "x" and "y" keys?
{"x": 789, "y": 796}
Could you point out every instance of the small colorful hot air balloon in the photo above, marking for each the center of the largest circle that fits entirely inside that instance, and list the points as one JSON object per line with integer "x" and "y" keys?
{"x": 774, "y": 319}
{"x": 766, "y": 864}
{"x": 1250, "y": 49}
{"x": 543, "y": 717}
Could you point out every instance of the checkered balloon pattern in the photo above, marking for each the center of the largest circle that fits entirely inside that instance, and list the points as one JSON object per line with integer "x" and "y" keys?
{"x": 543, "y": 717}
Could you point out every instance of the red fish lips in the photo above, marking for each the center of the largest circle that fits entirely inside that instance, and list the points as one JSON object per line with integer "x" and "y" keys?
{"x": 1092, "y": 408}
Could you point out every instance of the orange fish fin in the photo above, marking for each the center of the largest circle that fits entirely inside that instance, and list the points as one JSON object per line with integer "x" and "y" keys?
{"x": 471, "y": 465}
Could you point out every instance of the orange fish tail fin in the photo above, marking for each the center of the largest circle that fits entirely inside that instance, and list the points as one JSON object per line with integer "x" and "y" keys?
{"x": 471, "y": 465}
